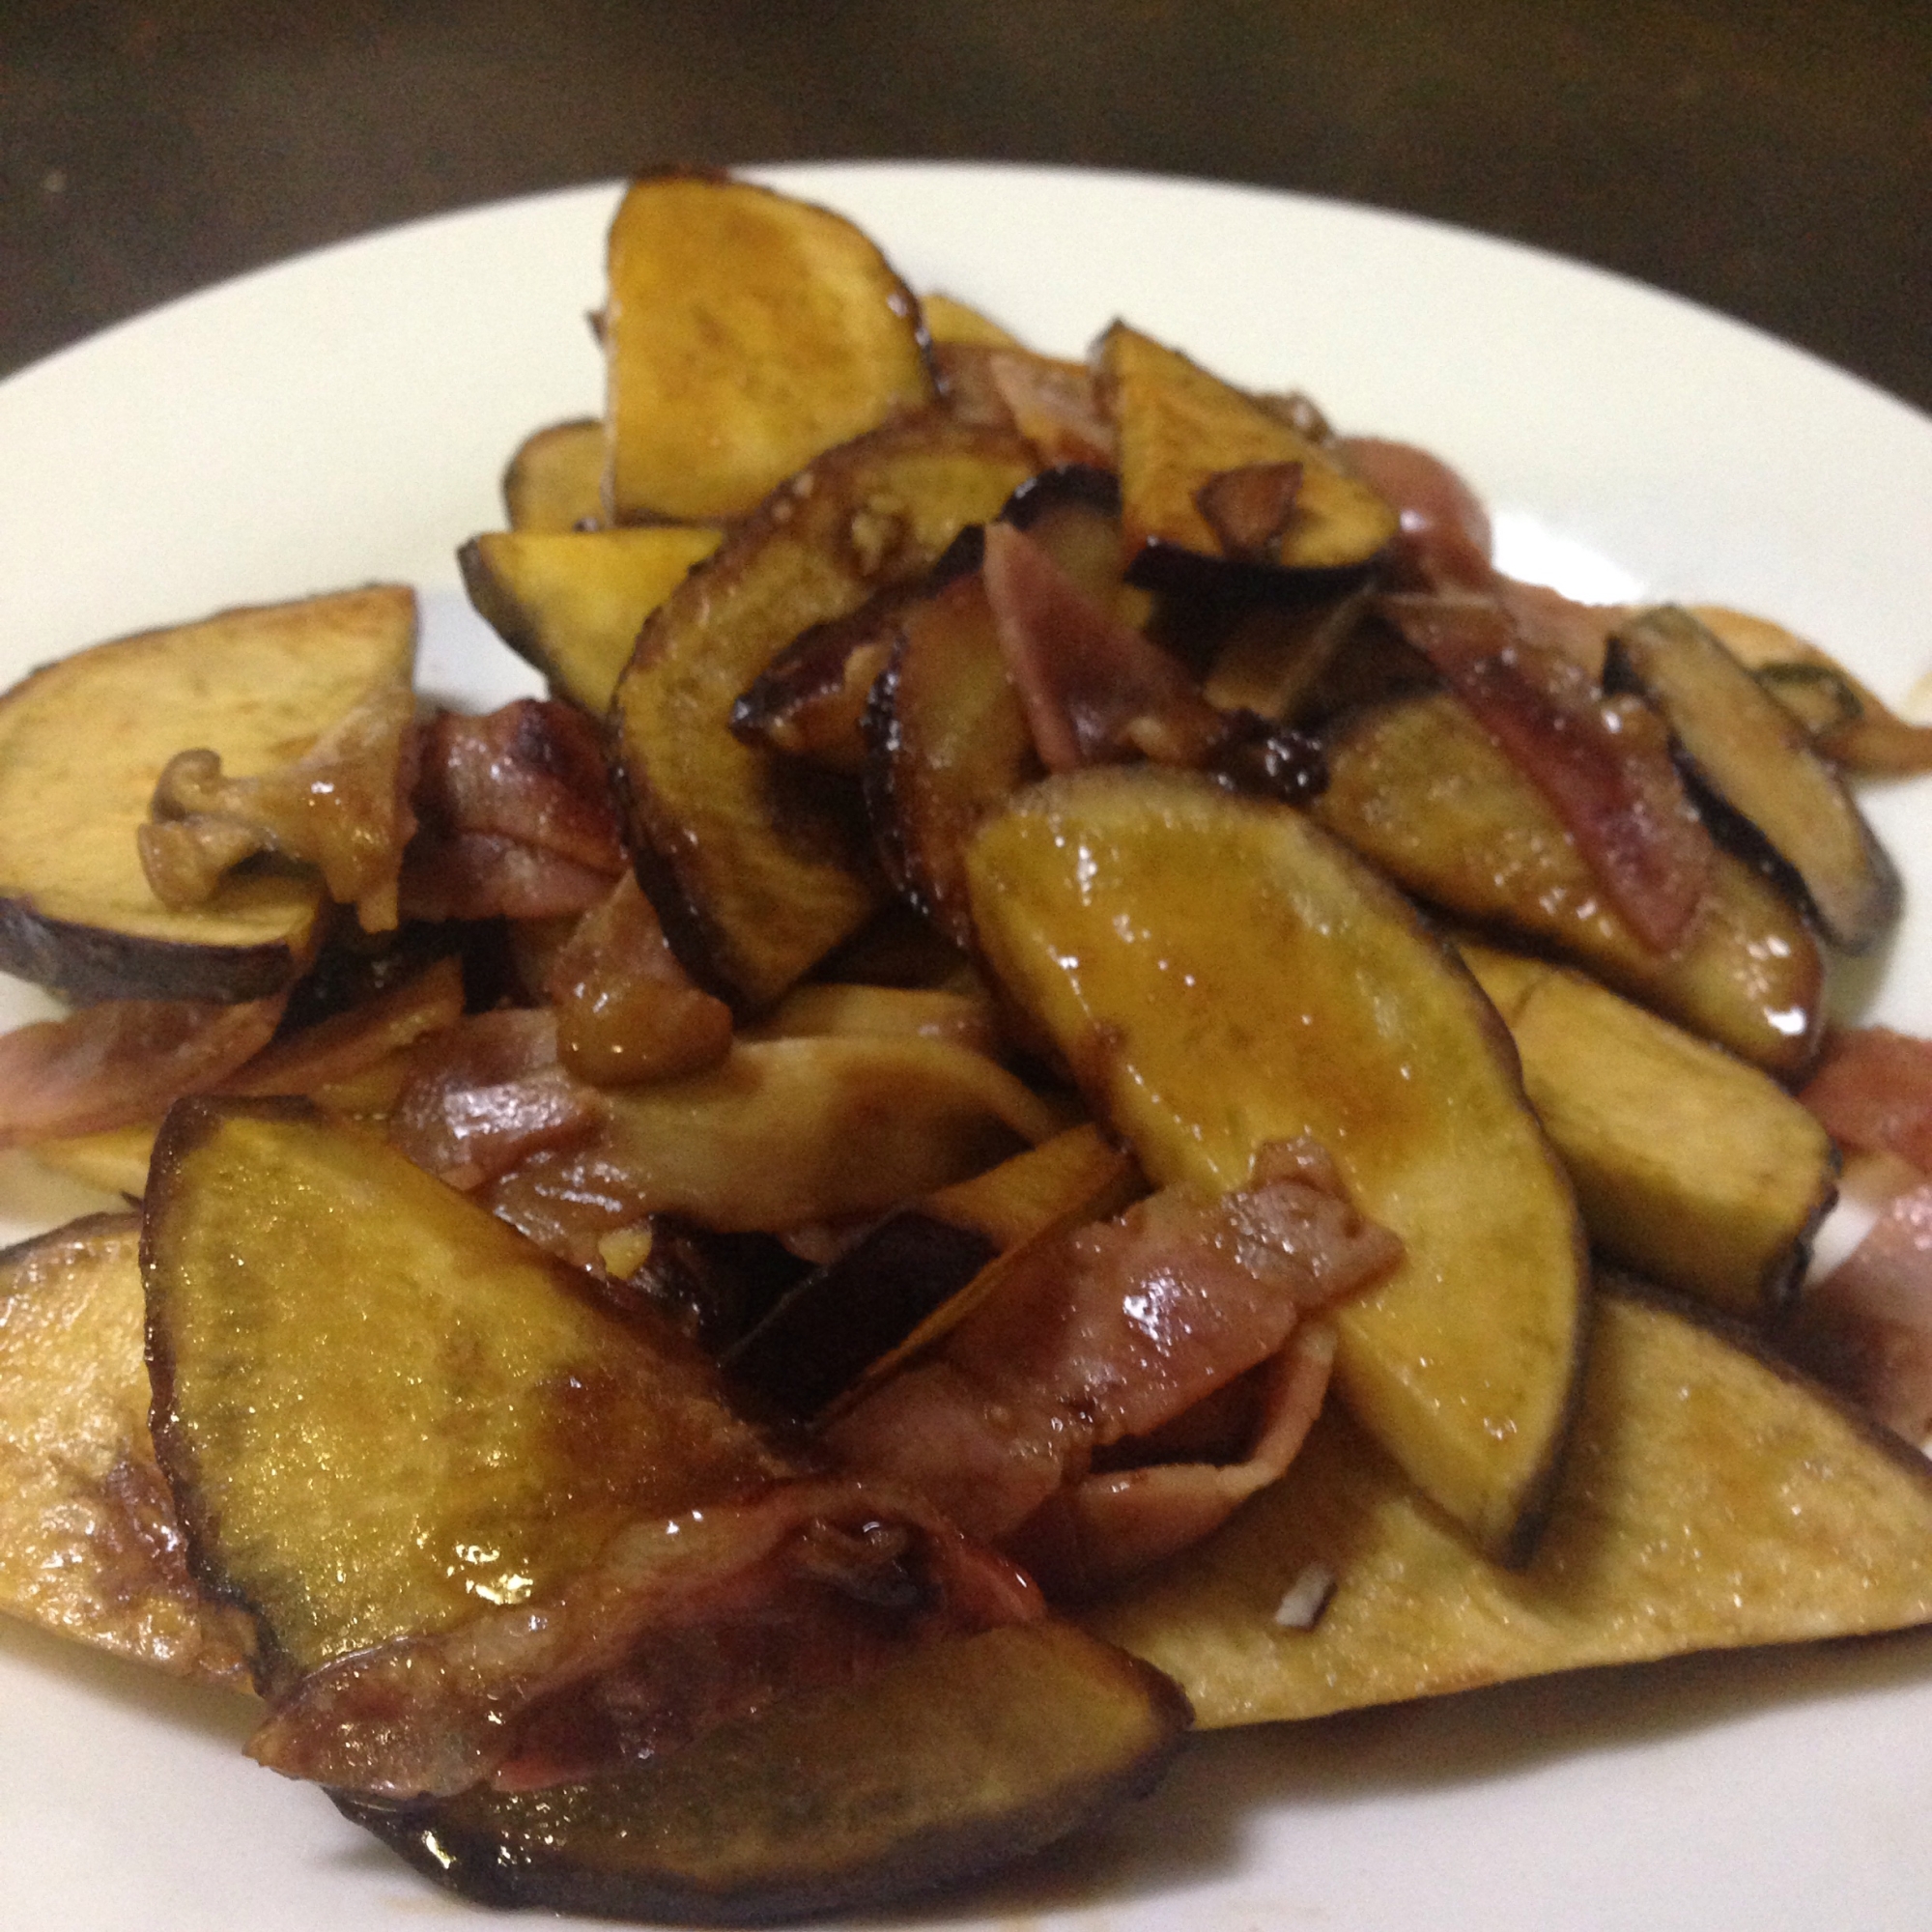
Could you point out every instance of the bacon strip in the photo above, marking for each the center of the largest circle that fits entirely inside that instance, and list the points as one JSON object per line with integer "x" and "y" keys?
{"x": 1873, "y": 1091}
{"x": 1095, "y": 690}
{"x": 122, "y": 1061}
{"x": 487, "y": 1092}
{"x": 1109, "y": 1334}
{"x": 1867, "y": 1327}
{"x": 1444, "y": 542}
{"x": 1099, "y": 1532}
{"x": 680, "y": 1624}
{"x": 516, "y": 816}
{"x": 1605, "y": 768}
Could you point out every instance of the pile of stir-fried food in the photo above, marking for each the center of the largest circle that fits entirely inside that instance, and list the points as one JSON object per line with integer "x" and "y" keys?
{"x": 1082, "y": 1077}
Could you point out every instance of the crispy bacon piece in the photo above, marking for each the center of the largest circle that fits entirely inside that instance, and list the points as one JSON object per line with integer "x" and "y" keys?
{"x": 1873, "y": 1092}
{"x": 122, "y": 1061}
{"x": 516, "y": 816}
{"x": 1098, "y": 1533}
{"x": 1050, "y": 403}
{"x": 1866, "y": 1328}
{"x": 1109, "y": 1334}
{"x": 1095, "y": 690}
{"x": 485, "y": 1093}
{"x": 678, "y": 1625}
{"x": 1604, "y": 767}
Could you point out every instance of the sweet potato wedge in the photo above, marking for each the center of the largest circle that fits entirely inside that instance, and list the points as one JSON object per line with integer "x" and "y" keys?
{"x": 758, "y": 866}
{"x": 1220, "y": 974}
{"x": 1180, "y": 429}
{"x": 377, "y": 1406}
{"x": 82, "y": 745}
{"x": 1689, "y": 1165}
{"x": 554, "y": 478}
{"x": 1714, "y": 1497}
{"x": 572, "y": 603}
{"x": 1417, "y": 787}
{"x": 90, "y": 1545}
{"x": 745, "y": 333}
{"x": 960, "y": 1757}
{"x": 1755, "y": 758}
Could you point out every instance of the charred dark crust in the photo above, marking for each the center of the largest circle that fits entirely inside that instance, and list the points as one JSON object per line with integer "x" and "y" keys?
{"x": 88, "y": 963}
{"x": 1172, "y": 569}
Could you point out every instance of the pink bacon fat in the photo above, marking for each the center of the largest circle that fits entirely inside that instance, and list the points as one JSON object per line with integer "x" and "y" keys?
{"x": 1106, "y": 1336}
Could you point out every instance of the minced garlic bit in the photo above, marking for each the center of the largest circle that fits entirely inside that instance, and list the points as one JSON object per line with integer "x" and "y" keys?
{"x": 1306, "y": 1597}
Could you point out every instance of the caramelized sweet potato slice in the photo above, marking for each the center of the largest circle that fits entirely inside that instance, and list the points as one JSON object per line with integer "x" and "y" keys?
{"x": 1749, "y": 752}
{"x": 572, "y": 603}
{"x": 757, "y": 865}
{"x": 1416, "y": 786}
{"x": 948, "y": 319}
{"x": 1179, "y": 428}
{"x": 955, "y": 1759}
{"x": 554, "y": 480}
{"x": 377, "y": 1406}
{"x": 1713, "y": 1498}
{"x": 1220, "y": 974}
{"x": 746, "y": 334}
{"x": 90, "y": 1545}
{"x": 82, "y": 745}
{"x": 1689, "y": 1165}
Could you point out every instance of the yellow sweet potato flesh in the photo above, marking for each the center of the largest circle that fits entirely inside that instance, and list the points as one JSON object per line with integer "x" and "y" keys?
{"x": 758, "y": 866}
{"x": 89, "y": 1545}
{"x": 380, "y": 1407}
{"x": 746, "y": 334}
{"x": 572, "y": 603}
{"x": 1220, "y": 974}
{"x": 1689, "y": 1165}
{"x": 554, "y": 479}
{"x": 1712, "y": 1498}
{"x": 1417, "y": 787}
{"x": 82, "y": 745}
{"x": 1180, "y": 427}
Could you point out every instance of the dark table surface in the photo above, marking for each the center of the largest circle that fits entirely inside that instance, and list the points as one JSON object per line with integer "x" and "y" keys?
{"x": 1770, "y": 158}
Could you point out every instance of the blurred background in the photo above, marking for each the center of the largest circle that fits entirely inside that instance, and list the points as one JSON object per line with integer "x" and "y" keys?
{"x": 1770, "y": 158}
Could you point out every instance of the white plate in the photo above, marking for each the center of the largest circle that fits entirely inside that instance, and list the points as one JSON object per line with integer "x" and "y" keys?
{"x": 345, "y": 417}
